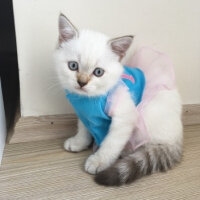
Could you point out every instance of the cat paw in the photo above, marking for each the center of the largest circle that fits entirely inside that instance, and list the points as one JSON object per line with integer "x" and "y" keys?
{"x": 95, "y": 164}
{"x": 74, "y": 145}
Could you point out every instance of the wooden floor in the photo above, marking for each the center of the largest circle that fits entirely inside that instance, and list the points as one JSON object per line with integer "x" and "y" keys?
{"x": 43, "y": 170}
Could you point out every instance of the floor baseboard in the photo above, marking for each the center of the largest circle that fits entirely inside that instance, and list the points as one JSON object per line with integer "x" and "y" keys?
{"x": 60, "y": 126}
{"x": 191, "y": 114}
{"x": 43, "y": 128}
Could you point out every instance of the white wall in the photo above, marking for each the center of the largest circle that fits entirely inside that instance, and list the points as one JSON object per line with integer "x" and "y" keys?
{"x": 167, "y": 25}
{"x": 2, "y": 125}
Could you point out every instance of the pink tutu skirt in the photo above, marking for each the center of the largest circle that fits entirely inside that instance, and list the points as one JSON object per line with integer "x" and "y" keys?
{"x": 159, "y": 75}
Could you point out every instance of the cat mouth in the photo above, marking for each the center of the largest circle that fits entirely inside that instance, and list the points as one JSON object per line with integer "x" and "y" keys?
{"x": 81, "y": 89}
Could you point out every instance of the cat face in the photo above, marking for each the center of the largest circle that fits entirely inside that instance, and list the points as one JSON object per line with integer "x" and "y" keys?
{"x": 87, "y": 62}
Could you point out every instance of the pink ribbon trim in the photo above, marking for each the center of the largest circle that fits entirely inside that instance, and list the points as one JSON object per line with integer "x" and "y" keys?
{"x": 129, "y": 77}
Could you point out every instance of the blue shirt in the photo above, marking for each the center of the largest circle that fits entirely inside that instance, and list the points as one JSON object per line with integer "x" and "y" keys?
{"x": 93, "y": 111}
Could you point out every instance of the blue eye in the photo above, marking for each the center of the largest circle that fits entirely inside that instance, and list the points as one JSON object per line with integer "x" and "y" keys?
{"x": 98, "y": 72}
{"x": 73, "y": 65}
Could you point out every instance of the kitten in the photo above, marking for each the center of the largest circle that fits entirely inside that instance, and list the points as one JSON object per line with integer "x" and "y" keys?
{"x": 88, "y": 67}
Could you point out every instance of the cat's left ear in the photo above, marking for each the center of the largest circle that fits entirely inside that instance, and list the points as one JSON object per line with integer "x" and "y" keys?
{"x": 67, "y": 30}
{"x": 120, "y": 45}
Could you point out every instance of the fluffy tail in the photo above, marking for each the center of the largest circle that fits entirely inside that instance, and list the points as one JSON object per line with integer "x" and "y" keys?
{"x": 145, "y": 160}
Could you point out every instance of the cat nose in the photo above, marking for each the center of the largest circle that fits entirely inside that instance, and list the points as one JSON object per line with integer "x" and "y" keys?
{"x": 82, "y": 83}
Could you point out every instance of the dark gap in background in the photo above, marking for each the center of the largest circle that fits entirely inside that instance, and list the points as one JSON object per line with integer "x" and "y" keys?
{"x": 8, "y": 62}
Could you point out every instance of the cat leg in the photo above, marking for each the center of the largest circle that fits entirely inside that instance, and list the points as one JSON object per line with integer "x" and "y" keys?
{"x": 80, "y": 141}
{"x": 124, "y": 119}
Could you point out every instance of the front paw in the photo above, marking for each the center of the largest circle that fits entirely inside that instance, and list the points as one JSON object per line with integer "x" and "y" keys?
{"x": 95, "y": 164}
{"x": 74, "y": 144}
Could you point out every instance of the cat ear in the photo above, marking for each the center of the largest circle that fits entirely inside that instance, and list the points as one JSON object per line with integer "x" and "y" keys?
{"x": 120, "y": 45}
{"x": 67, "y": 30}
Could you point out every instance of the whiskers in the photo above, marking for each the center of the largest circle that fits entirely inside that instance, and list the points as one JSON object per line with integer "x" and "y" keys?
{"x": 55, "y": 87}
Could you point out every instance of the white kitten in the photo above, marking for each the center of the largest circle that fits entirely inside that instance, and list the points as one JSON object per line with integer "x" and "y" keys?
{"x": 88, "y": 64}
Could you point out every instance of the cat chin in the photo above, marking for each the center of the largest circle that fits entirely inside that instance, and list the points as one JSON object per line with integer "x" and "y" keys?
{"x": 77, "y": 90}
{"x": 85, "y": 92}
{"x": 81, "y": 91}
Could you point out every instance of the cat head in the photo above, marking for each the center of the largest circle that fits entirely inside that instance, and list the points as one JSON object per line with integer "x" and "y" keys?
{"x": 88, "y": 62}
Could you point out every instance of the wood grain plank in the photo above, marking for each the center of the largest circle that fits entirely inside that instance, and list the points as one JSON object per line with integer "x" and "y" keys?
{"x": 60, "y": 126}
{"x": 191, "y": 114}
{"x": 43, "y": 170}
{"x": 43, "y": 128}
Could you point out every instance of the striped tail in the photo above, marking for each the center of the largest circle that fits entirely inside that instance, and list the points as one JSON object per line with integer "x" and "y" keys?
{"x": 145, "y": 160}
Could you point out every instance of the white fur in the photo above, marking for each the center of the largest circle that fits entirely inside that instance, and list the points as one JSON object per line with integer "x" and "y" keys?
{"x": 90, "y": 50}
{"x": 162, "y": 115}
{"x": 123, "y": 120}
{"x": 80, "y": 141}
